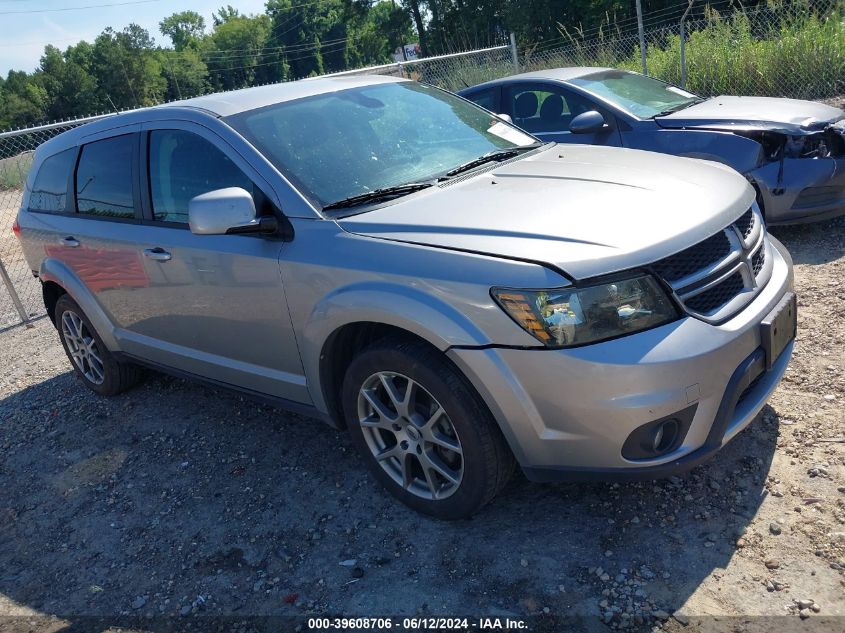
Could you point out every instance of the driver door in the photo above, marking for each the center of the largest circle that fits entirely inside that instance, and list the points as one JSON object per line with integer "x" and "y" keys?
{"x": 546, "y": 110}
{"x": 214, "y": 305}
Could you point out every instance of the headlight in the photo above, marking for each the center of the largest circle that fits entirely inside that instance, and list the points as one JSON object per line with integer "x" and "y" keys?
{"x": 566, "y": 317}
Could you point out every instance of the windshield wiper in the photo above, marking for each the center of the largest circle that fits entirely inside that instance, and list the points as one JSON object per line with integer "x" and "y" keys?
{"x": 379, "y": 195}
{"x": 679, "y": 106}
{"x": 496, "y": 155}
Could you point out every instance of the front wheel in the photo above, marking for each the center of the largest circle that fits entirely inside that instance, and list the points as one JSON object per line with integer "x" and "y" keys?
{"x": 423, "y": 429}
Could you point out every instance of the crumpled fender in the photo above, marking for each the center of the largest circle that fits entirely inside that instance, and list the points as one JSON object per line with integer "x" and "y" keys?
{"x": 54, "y": 270}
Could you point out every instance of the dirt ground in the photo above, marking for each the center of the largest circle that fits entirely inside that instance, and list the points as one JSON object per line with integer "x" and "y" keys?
{"x": 175, "y": 502}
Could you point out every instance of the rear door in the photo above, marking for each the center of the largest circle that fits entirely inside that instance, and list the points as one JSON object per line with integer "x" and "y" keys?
{"x": 90, "y": 229}
{"x": 214, "y": 305}
{"x": 546, "y": 110}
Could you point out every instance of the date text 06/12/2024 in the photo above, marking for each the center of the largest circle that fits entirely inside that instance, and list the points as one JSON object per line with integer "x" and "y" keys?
{"x": 417, "y": 624}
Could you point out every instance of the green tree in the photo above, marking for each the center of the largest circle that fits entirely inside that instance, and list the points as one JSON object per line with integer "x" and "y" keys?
{"x": 186, "y": 73}
{"x": 224, "y": 14}
{"x": 22, "y": 101}
{"x": 234, "y": 50}
{"x": 128, "y": 68}
{"x": 185, "y": 29}
{"x": 70, "y": 89}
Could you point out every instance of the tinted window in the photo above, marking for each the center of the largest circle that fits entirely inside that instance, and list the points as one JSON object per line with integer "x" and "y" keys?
{"x": 349, "y": 142}
{"x": 184, "y": 165}
{"x": 104, "y": 178}
{"x": 49, "y": 192}
{"x": 485, "y": 98}
{"x": 544, "y": 108}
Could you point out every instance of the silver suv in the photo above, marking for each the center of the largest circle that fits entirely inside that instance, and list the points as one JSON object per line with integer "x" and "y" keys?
{"x": 399, "y": 262}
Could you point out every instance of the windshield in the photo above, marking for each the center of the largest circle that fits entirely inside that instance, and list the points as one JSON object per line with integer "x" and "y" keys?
{"x": 642, "y": 96}
{"x": 341, "y": 144}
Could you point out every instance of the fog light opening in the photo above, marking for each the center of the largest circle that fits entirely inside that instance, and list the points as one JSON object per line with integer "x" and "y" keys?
{"x": 658, "y": 437}
{"x": 665, "y": 436}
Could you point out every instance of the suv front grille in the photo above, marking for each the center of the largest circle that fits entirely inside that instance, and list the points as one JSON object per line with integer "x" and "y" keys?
{"x": 717, "y": 277}
{"x": 758, "y": 261}
{"x": 693, "y": 259}
{"x": 745, "y": 224}
{"x": 717, "y": 296}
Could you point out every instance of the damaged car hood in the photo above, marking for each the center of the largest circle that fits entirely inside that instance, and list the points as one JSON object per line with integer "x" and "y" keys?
{"x": 742, "y": 113}
{"x": 583, "y": 210}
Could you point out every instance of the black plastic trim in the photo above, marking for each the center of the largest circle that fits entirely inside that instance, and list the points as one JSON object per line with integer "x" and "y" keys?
{"x": 635, "y": 448}
{"x": 282, "y": 403}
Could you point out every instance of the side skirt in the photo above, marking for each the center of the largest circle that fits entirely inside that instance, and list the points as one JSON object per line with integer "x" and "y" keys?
{"x": 274, "y": 401}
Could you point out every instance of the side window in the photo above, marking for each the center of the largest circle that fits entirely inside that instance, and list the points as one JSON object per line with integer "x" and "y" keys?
{"x": 184, "y": 165}
{"x": 104, "y": 178}
{"x": 485, "y": 98}
{"x": 49, "y": 191}
{"x": 539, "y": 108}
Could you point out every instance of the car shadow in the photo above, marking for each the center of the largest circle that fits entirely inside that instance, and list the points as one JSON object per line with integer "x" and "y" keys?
{"x": 175, "y": 500}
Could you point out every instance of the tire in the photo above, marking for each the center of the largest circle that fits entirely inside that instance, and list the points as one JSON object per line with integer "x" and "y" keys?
{"x": 443, "y": 454}
{"x": 101, "y": 372}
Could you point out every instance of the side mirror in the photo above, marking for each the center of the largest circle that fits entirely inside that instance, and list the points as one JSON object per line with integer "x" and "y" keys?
{"x": 588, "y": 122}
{"x": 225, "y": 212}
{"x": 506, "y": 117}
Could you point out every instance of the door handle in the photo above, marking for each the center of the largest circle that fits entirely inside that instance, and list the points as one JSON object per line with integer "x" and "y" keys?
{"x": 158, "y": 254}
{"x": 69, "y": 241}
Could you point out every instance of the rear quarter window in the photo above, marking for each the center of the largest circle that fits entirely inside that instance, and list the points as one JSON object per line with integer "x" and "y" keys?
{"x": 50, "y": 188}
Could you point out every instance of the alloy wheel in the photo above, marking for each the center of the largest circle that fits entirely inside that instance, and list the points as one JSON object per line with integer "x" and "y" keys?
{"x": 82, "y": 347}
{"x": 410, "y": 435}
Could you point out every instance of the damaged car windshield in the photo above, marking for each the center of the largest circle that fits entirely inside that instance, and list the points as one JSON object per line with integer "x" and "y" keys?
{"x": 344, "y": 144}
{"x": 643, "y": 97}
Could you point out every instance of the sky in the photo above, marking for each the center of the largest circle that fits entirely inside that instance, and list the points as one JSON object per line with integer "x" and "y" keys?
{"x": 62, "y": 23}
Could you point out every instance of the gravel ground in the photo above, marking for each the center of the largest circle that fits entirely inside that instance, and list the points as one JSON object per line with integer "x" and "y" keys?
{"x": 181, "y": 500}
{"x": 11, "y": 255}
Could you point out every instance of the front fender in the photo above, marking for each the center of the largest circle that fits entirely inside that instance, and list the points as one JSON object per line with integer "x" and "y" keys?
{"x": 59, "y": 273}
{"x": 741, "y": 153}
{"x": 397, "y": 305}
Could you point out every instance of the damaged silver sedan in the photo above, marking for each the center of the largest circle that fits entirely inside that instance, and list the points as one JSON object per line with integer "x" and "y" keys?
{"x": 792, "y": 151}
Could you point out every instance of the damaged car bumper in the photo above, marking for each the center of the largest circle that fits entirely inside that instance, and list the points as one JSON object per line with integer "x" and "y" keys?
{"x": 806, "y": 180}
{"x": 583, "y": 413}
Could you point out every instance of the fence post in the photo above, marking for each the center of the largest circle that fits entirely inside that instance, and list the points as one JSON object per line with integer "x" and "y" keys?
{"x": 514, "y": 53}
{"x": 684, "y": 45}
{"x": 13, "y": 294}
{"x": 642, "y": 34}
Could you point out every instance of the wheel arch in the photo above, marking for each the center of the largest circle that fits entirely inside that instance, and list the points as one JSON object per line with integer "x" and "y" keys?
{"x": 356, "y": 315}
{"x": 51, "y": 292}
{"x": 58, "y": 279}
{"x": 339, "y": 350}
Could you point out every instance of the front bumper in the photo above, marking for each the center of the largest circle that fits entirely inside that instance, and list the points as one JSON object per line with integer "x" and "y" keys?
{"x": 808, "y": 190}
{"x": 567, "y": 413}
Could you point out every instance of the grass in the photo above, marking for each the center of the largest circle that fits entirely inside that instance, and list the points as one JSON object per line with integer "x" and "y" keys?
{"x": 790, "y": 49}
{"x": 798, "y": 53}
{"x": 13, "y": 171}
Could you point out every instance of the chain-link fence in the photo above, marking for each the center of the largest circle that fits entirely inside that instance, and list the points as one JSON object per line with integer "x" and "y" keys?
{"x": 780, "y": 48}
{"x": 452, "y": 72}
{"x": 20, "y": 293}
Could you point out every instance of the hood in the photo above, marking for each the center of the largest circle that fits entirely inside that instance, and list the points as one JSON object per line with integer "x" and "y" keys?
{"x": 790, "y": 116}
{"x": 584, "y": 210}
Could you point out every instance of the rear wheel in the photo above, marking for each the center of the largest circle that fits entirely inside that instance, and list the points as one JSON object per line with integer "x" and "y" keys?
{"x": 423, "y": 430}
{"x": 101, "y": 372}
